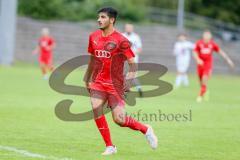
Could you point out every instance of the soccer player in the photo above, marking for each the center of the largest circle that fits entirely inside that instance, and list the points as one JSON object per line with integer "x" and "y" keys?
{"x": 136, "y": 46}
{"x": 45, "y": 47}
{"x": 109, "y": 49}
{"x": 202, "y": 52}
{"x": 182, "y": 51}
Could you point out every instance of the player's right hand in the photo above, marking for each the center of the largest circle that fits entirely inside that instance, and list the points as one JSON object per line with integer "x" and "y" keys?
{"x": 200, "y": 62}
{"x": 87, "y": 84}
{"x": 34, "y": 52}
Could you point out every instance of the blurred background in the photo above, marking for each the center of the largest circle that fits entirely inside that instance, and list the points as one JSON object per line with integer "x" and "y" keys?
{"x": 157, "y": 21}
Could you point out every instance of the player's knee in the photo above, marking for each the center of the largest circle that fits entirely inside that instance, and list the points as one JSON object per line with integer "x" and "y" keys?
{"x": 205, "y": 80}
{"x": 119, "y": 120}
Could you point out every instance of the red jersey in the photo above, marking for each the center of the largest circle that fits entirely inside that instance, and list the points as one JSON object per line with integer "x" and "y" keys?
{"x": 205, "y": 50}
{"x": 45, "y": 44}
{"x": 109, "y": 53}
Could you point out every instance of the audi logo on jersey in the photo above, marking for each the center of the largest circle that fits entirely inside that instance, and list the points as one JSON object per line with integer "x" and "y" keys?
{"x": 102, "y": 54}
{"x": 206, "y": 50}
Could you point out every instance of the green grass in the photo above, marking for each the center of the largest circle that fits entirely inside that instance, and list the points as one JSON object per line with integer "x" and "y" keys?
{"x": 28, "y": 121}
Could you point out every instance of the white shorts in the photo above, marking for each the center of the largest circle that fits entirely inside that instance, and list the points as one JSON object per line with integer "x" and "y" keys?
{"x": 182, "y": 64}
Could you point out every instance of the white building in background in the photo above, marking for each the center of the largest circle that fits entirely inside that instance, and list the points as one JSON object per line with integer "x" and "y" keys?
{"x": 8, "y": 13}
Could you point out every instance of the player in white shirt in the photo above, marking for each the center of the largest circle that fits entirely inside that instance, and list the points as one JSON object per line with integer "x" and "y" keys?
{"x": 182, "y": 51}
{"x": 136, "y": 46}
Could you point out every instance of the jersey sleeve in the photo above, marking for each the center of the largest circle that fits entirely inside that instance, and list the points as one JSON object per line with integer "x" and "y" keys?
{"x": 51, "y": 41}
{"x": 129, "y": 53}
{"x": 125, "y": 47}
{"x": 196, "y": 47}
{"x": 90, "y": 48}
{"x": 216, "y": 47}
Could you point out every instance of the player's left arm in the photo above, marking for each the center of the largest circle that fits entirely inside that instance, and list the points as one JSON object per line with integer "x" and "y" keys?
{"x": 226, "y": 57}
{"x": 53, "y": 44}
{"x": 132, "y": 69}
{"x": 131, "y": 73}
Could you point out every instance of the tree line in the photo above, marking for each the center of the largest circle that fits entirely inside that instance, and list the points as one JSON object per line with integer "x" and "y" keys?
{"x": 134, "y": 10}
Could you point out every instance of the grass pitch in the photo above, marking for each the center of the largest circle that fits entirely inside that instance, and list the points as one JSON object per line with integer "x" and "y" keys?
{"x": 28, "y": 124}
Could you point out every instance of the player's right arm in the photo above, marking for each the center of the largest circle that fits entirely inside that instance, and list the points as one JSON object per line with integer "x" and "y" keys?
{"x": 196, "y": 50}
{"x": 36, "y": 50}
{"x": 89, "y": 71}
{"x": 197, "y": 59}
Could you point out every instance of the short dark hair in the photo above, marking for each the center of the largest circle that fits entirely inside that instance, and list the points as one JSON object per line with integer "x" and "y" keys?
{"x": 207, "y": 30}
{"x": 111, "y": 12}
{"x": 182, "y": 34}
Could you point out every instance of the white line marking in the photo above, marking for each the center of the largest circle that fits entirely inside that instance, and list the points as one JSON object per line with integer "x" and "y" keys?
{"x": 30, "y": 154}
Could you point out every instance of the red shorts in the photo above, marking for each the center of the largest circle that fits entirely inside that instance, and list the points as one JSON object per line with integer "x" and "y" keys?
{"x": 45, "y": 58}
{"x": 108, "y": 93}
{"x": 204, "y": 71}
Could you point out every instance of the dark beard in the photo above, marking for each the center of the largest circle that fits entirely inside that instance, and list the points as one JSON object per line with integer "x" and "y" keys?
{"x": 103, "y": 28}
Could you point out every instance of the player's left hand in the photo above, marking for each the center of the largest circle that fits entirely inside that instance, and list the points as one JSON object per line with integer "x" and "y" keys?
{"x": 231, "y": 64}
{"x": 34, "y": 52}
{"x": 87, "y": 84}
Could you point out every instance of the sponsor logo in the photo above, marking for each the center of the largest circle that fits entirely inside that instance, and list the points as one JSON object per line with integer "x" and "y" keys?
{"x": 110, "y": 46}
{"x": 206, "y": 50}
{"x": 102, "y": 54}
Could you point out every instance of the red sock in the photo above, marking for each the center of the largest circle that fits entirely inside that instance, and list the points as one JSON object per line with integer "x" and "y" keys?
{"x": 104, "y": 130}
{"x": 134, "y": 124}
{"x": 203, "y": 89}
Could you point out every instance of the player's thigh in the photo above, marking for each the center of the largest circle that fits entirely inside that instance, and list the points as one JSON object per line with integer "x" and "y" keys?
{"x": 200, "y": 70}
{"x": 49, "y": 63}
{"x": 98, "y": 99}
{"x": 117, "y": 105}
{"x": 205, "y": 77}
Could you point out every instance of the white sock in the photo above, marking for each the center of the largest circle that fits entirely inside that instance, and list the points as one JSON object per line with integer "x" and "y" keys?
{"x": 185, "y": 80}
{"x": 178, "y": 81}
{"x": 45, "y": 76}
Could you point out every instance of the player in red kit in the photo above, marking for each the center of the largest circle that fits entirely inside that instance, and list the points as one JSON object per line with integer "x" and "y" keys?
{"x": 109, "y": 49}
{"x": 203, "y": 51}
{"x": 45, "y": 48}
